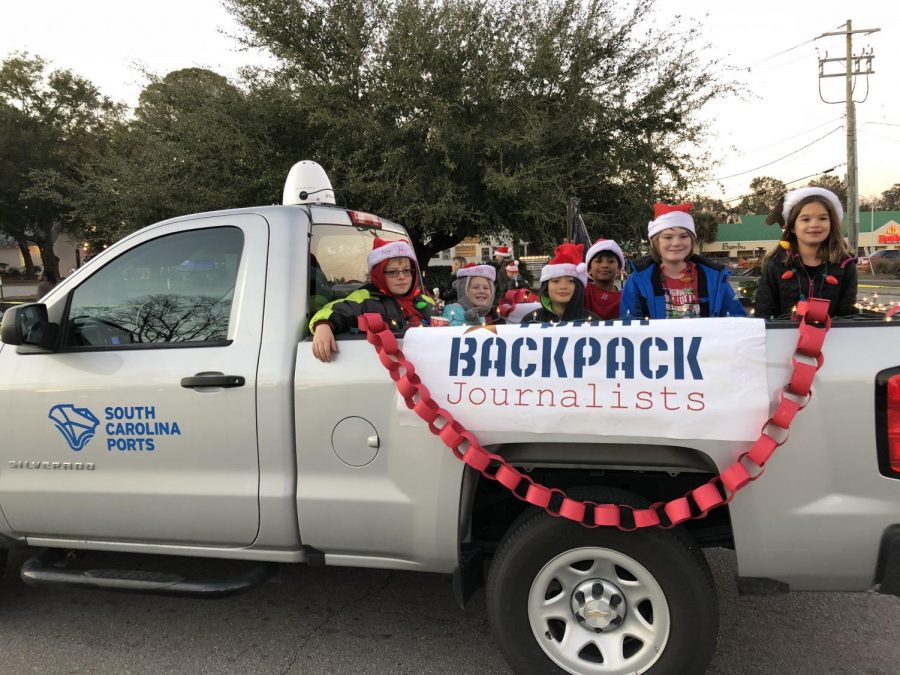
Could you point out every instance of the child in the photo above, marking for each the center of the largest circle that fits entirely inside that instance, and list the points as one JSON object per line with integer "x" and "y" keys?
{"x": 474, "y": 288}
{"x": 673, "y": 282}
{"x": 605, "y": 261}
{"x": 811, "y": 260}
{"x": 393, "y": 292}
{"x": 562, "y": 287}
{"x": 514, "y": 278}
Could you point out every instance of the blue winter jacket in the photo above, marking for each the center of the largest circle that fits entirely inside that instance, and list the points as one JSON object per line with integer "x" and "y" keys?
{"x": 643, "y": 295}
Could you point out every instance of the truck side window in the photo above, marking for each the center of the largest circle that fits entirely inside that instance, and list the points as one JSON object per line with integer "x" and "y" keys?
{"x": 174, "y": 289}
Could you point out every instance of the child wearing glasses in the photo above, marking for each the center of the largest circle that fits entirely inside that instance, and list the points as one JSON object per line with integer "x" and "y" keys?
{"x": 394, "y": 292}
{"x": 474, "y": 287}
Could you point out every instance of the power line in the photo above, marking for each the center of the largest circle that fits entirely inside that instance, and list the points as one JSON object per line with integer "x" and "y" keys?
{"x": 790, "y": 182}
{"x": 778, "y": 66}
{"x": 774, "y": 161}
{"x": 790, "y": 138}
{"x": 773, "y": 56}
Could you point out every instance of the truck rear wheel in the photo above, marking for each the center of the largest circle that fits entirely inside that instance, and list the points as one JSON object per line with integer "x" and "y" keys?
{"x": 566, "y": 599}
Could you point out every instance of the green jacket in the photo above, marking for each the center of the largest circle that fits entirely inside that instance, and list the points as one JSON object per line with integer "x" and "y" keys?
{"x": 342, "y": 314}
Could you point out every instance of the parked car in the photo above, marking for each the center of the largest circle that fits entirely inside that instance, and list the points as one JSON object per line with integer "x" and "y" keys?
{"x": 885, "y": 261}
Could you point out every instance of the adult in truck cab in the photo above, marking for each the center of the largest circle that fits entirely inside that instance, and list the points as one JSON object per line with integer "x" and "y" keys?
{"x": 393, "y": 292}
{"x": 605, "y": 261}
{"x": 448, "y": 295}
{"x": 673, "y": 282}
{"x": 562, "y": 287}
{"x": 474, "y": 287}
{"x": 811, "y": 260}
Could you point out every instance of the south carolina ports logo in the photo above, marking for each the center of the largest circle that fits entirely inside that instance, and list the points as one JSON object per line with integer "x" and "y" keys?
{"x": 77, "y": 425}
{"x": 128, "y": 428}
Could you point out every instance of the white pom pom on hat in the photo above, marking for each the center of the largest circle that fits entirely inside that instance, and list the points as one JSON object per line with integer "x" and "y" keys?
{"x": 794, "y": 197}
{"x": 384, "y": 250}
{"x": 667, "y": 216}
{"x": 605, "y": 245}
{"x": 567, "y": 262}
{"x": 473, "y": 270}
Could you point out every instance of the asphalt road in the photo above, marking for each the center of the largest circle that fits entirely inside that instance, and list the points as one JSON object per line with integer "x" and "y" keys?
{"x": 339, "y": 620}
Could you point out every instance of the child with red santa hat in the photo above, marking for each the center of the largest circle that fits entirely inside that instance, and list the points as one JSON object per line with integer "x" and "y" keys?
{"x": 673, "y": 282}
{"x": 393, "y": 292}
{"x": 562, "y": 287}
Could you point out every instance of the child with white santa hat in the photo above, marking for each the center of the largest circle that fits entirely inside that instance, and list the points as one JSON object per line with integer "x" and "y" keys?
{"x": 394, "y": 292}
{"x": 562, "y": 287}
{"x": 605, "y": 261}
{"x": 475, "y": 293}
{"x": 673, "y": 282}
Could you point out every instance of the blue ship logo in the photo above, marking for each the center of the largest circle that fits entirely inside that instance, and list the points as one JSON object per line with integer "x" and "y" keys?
{"x": 77, "y": 425}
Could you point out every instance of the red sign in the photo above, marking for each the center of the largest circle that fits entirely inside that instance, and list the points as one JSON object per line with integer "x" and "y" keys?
{"x": 889, "y": 238}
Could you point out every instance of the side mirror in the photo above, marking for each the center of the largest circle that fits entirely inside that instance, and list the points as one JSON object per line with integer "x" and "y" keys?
{"x": 27, "y": 325}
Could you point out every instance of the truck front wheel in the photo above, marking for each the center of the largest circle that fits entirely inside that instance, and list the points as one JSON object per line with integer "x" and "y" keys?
{"x": 566, "y": 599}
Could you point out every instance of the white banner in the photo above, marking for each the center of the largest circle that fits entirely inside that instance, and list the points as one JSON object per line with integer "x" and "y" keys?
{"x": 688, "y": 378}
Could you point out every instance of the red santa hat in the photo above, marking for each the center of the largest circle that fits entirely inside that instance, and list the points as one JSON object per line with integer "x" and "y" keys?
{"x": 473, "y": 270}
{"x": 605, "y": 245}
{"x": 667, "y": 216}
{"x": 503, "y": 252}
{"x": 518, "y": 303}
{"x": 385, "y": 250}
{"x": 568, "y": 261}
{"x": 513, "y": 267}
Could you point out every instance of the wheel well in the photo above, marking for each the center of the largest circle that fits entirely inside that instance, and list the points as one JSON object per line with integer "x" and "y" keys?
{"x": 660, "y": 473}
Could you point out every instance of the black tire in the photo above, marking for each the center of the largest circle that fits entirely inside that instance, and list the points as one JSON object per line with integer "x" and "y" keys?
{"x": 548, "y": 568}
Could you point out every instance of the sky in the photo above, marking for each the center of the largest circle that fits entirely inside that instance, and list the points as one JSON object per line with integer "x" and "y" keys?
{"x": 781, "y": 127}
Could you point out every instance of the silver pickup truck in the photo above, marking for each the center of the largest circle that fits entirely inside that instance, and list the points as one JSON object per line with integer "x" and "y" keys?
{"x": 164, "y": 400}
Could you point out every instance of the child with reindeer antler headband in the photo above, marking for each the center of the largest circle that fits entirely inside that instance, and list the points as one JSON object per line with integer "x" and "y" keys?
{"x": 811, "y": 260}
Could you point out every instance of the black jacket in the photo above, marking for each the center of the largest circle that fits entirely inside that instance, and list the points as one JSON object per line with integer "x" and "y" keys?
{"x": 342, "y": 315}
{"x": 575, "y": 310}
{"x": 777, "y": 296}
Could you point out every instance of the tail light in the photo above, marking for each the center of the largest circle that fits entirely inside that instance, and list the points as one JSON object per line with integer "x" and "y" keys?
{"x": 887, "y": 421}
{"x": 363, "y": 219}
{"x": 893, "y": 422}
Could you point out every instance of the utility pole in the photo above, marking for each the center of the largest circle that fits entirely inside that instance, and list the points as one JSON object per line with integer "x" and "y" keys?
{"x": 854, "y": 65}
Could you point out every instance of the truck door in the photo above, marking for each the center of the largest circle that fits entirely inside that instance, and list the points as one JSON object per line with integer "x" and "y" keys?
{"x": 142, "y": 425}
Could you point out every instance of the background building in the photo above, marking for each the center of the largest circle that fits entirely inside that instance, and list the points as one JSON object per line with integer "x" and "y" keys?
{"x": 750, "y": 237}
